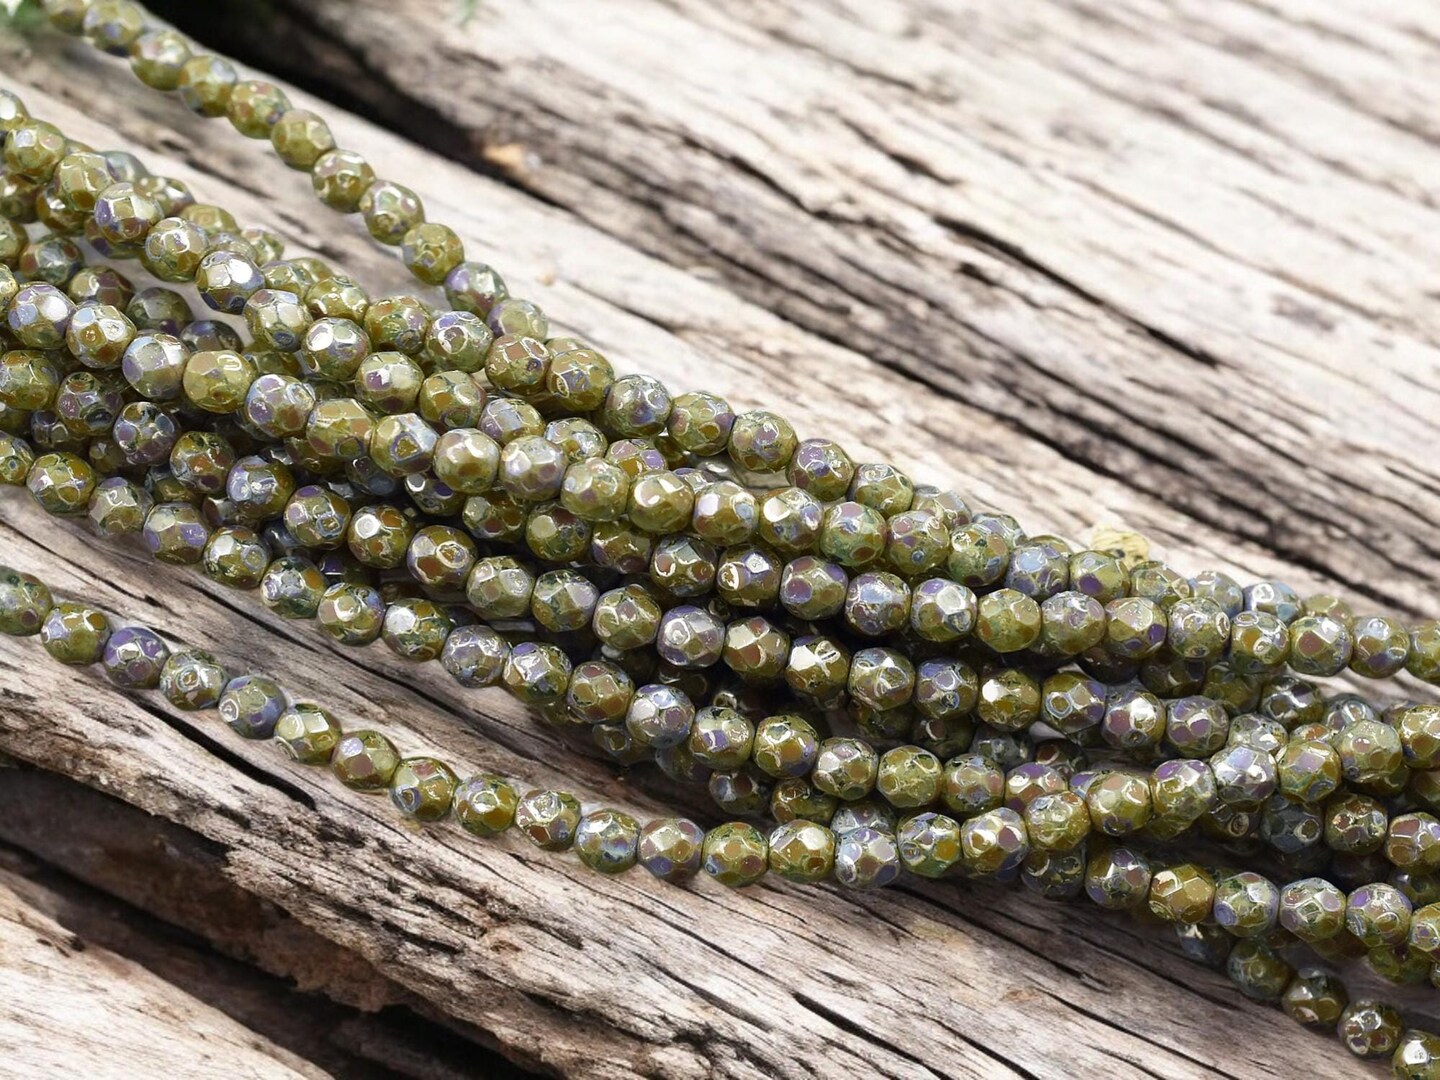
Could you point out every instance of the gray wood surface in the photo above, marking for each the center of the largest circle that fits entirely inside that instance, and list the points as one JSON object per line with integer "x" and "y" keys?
{"x": 1165, "y": 266}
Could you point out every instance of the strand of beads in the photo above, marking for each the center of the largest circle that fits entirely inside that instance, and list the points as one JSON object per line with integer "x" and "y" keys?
{"x": 609, "y": 841}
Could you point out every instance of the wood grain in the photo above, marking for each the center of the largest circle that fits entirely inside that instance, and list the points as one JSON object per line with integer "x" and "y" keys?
{"x": 900, "y": 219}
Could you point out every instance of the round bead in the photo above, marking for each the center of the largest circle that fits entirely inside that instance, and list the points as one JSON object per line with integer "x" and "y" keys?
{"x": 1246, "y": 904}
{"x": 1007, "y": 621}
{"x": 308, "y": 734}
{"x": 1370, "y": 1029}
{"x": 365, "y": 761}
{"x": 61, "y": 483}
{"x": 390, "y": 210}
{"x": 25, "y": 602}
{"x": 881, "y": 678}
{"x": 1416, "y": 1056}
{"x": 607, "y": 841}
{"x": 908, "y": 777}
{"x": 790, "y": 521}
{"x": 423, "y": 788}
{"x": 1369, "y": 750}
{"x": 235, "y": 556}
{"x": 252, "y": 705}
{"x": 852, "y": 534}
{"x": 292, "y": 587}
{"x": 735, "y": 854}
{"x": 192, "y": 680}
{"x": 1119, "y": 803}
{"x": 352, "y": 614}
{"x": 75, "y": 634}
{"x": 39, "y": 316}
{"x": 1183, "y": 893}
{"x": 1135, "y": 628}
{"x": 866, "y": 858}
{"x": 994, "y": 842}
{"x": 690, "y": 637}
{"x": 670, "y": 848}
{"x": 1118, "y": 879}
{"x": 1378, "y": 914}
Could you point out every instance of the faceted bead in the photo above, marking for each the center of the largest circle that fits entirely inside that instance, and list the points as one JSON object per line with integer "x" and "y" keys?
{"x": 690, "y": 637}
{"x": 61, "y": 483}
{"x": 352, "y": 614}
{"x": 852, "y": 534}
{"x": 1354, "y": 823}
{"x": 486, "y": 805}
{"x": 25, "y": 602}
{"x": 1135, "y": 627}
{"x": 1008, "y": 621}
{"x": 1370, "y": 1029}
{"x": 1118, "y": 879}
{"x": 659, "y": 716}
{"x": 881, "y": 678}
{"x": 1010, "y": 699}
{"x": 818, "y": 668}
{"x": 735, "y": 854}
{"x": 550, "y": 819}
{"x": 670, "y": 848}
{"x": 536, "y": 673}
{"x": 1073, "y": 703}
{"x": 845, "y": 768}
{"x": 866, "y": 858}
{"x": 877, "y": 604}
{"x": 1312, "y": 909}
{"x": 1308, "y": 770}
{"x": 430, "y": 251}
{"x": 453, "y": 399}
{"x": 1291, "y": 701}
{"x": 339, "y": 428}
{"x": 1419, "y": 728}
{"x": 945, "y": 690}
{"x": 1244, "y": 776}
{"x": 39, "y": 316}
{"x": 365, "y": 761}
{"x": 1380, "y": 647}
{"x": 1319, "y": 645}
{"x": 439, "y": 557}
{"x": 1071, "y": 623}
{"x": 578, "y": 379}
{"x": 1424, "y": 932}
{"x": 1424, "y": 658}
{"x": 252, "y": 705}
{"x": 278, "y": 319}
{"x": 1315, "y": 998}
{"x": 972, "y": 784}
{"x": 607, "y": 841}
{"x": 175, "y": 533}
{"x": 994, "y": 842}
{"x": 218, "y": 381}
{"x": 748, "y": 576}
{"x": 1198, "y": 629}
{"x": 1134, "y": 720}
{"x": 755, "y": 649}
{"x": 908, "y": 777}
{"x": 1378, "y": 914}
{"x": 236, "y": 557}
{"x": 192, "y": 680}
{"x": 661, "y": 502}
{"x": 940, "y": 610}
{"x": 87, "y": 402}
{"x": 75, "y": 634}
{"x": 1246, "y": 904}
{"x": 599, "y": 693}
{"x": 790, "y": 521}
{"x": 1119, "y": 803}
{"x": 390, "y": 210}
{"x": 1413, "y": 841}
{"x": 918, "y": 542}
{"x": 629, "y": 618}
{"x": 802, "y": 851}
{"x": 1183, "y": 893}
{"x": 563, "y": 600}
{"x": 292, "y": 587}
{"x": 1258, "y": 971}
{"x": 1058, "y": 821}
{"x": 416, "y": 628}
{"x": 1369, "y": 750}
{"x": 1416, "y": 1056}
{"x": 423, "y": 788}
{"x": 721, "y": 738}
{"x": 1196, "y": 726}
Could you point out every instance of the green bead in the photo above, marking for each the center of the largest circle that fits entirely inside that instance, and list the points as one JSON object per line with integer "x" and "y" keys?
{"x": 192, "y": 680}
{"x": 1119, "y": 803}
{"x": 333, "y": 348}
{"x": 626, "y": 618}
{"x": 1135, "y": 628}
{"x": 236, "y": 557}
{"x": 660, "y": 502}
{"x": 721, "y": 738}
{"x": 28, "y": 380}
{"x": 39, "y": 316}
{"x": 61, "y": 483}
{"x": 929, "y": 844}
{"x": 298, "y": 135}
{"x": 802, "y": 851}
{"x": 852, "y": 534}
{"x": 756, "y": 650}
{"x": 205, "y": 84}
{"x": 451, "y": 399}
{"x": 536, "y": 673}
{"x": 595, "y": 490}
{"x": 532, "y": 469}
{"x": 389, "y": 382}
{"x": 790, "y": 521}
{"x": 1315, "y": 998}
{"x": 255, "y": 107}
{"x": 308, "y": 734}
{"x": 1118, "y": 878}
{"x": 599, "y": 693}
{"x": 440, "y": 557}
{"x": 578, "y": 380}
{"x": 1381, "y": 647}
{"x": 1319, "y": 645}
{"x": 124, "y": 216}
{"x": 278, "y": 319}
{"x": 553, "y": 534}
{"x": 339, "y": 428}
{"x": 218, "y": 381}
{"x": 341, "y": 178}
{"x": 1199, "y": 629}
{"x": 423, "y": 788}
{"x": 972, "y": 784}
{"x": 945, "y": 694}
{"x": 1424, "y": 659}
{"x": 1246, "y": 904}
{"x": 607, "y": 841}
{"x": 1355, "y": 824}
{"x": 1378, "y": 914}
{"x": 785, "y": 745}
{"x": 1308, "y": 770}
{"x": 99, "y": 335}
{"x": 430, "y": 251}
{"x": 259, "y": 487}
{"x": 75, "y": 634}
{"x": 994, "y": 842}
{"x": 942, "y": 610}
{"x": 1416, "y": 1056}
{"x": 416, "y": 628}
{"x": 1370, "y": 1029}
{"x": 25, "y": 602}
{"x": 390, "y": 210}
{"x": 671, "y": 848}
{"x": 252, "y": 705}
{"x": 485, "y": 804}
{"x": 1007, "y": 621}
{"x": 845, "y": 768}
{"x": 33, "y": 148}
{"x": 1183, "y": 894}
{"x": 818, "y": 668}
{"x": 1057, "y": 821}
{"x": 291, "y": 587}
{"x": 1369, "y": 750}
{"x": 397, "y": 324}
{"x": 365, "y": 761}
{"x": 908, "y": 777}
{"x": 735, "y": 854}
{"x": 1258, "y": 971}
{"x": 881, "y": 678}
{"x": 748, "y": 577}
{"x": 351, "y": 613}
{"x": 690, "y": 637}
{"x": 549, "y": 819}
{"x": 866, "y": 858}
{"x": 499, "y": 588}
{"x": 16, "y": 458}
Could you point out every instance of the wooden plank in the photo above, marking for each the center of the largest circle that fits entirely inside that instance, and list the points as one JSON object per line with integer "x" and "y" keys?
{"x": 599, "y": 977}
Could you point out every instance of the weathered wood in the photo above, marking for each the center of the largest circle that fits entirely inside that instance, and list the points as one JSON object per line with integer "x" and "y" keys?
{"x": 587, "y": 976}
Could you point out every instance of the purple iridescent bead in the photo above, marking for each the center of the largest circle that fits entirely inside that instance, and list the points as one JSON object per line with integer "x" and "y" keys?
{"x": 133, "y": 658}
{"x": 690, "y": 637}
{"x": 252, "y": 705}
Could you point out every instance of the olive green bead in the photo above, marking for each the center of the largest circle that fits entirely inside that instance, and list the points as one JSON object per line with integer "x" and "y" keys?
{"x": 795, "y": 799}
{"x": 397, "y": 324}
{"x": 29, "y": 379}
{"x": 1354, "y": 823}
{"x": 1246, "y": 904}
{"x": 430, "y": 251}
{"x": 255, "y": 107}
{"x": 802, "y": 851}
{"x": 626, "y": 618}
{"x": 61, "y": 483}
{"x": 192, "y": 680}
{"x": 607, "y": 841}
{"x": 1369, "y": 750}
{"x": 112, "y": 26}
{"x": 1413, "y": 841}
{"x": 485, "y": 804}
{"x": 1378, "y": 914}
{"x": 866, "y": 858}
{"x": 1319, "y": 645}
{"x": 259, "y": 487}
{"x": 277, "y": 318}
{"x": 235, "y": 556}
{"x": 423, "y": 788}
{"x": 174, "y": 249}
{"x": 390, "y": 210}
{"x": 87, "y": 402}
{"x": 785, "y": 745}
{"x": 38, "y": 317}
{"x": 1370, "y": 1029}
{"x": 595, "y": 490}
{"x": 908, "y": 777}
{"x": 554, "y": 534}
{"x": 660, "y": 502}
{"x": 498, "y": 587}
{"x": 882, "y": 487}
{"x": 1315, "y": 998}
{"x": 1135, "y": 628}
{"x": 671, "y": 848}
{"x": 201, "y": 461}
{"x": 1198, "y": 629}
{"x": 291, "y": 587}
{"x": 16, "y": 457}
{"x": 1183, "y": 893}
{"x": 536, "y": 673}
{"x": 33, "y": 148}
{"x": 157, "y": 57}
{"x": 1119, "y": 803}
{"x": 852, "y": 534}
{"x": 365, "y": 761}
{"x": 25, "y": 602}
{"x": 1057, "y": 821}
{"x": 563, "y": 600}
{"x": 821, "y": 468}
{"x": 818, "y": 668}
{"x": 158, "y": 309}
{"x": 845, "y": 768}
{"x": 341, "y": 178}
{"x": 351, "y": 613}
{"x": 339, "y": 428}
{"x": 52, "y": 259}
{"x": 599, "y": 693}
{"x": 1424, "y": 659}
{"x": 972, "y": 784}
{"x": 1419, "y": 729}
{"x": 748, "y": 576}
{"x": 75, "y": 634}
{"x": 735, "y": 854}
{"x": 1258, "y": 971}
{"x": 125, "y": 216}
{"x": 929, "y": 844}
{"x": 308, "y": 734}
{"x": 578, "y": 380}
{"x": 1380, "y": 647}
{"x": 690, "y": 637}
{"x": 205, "y": 84}
{"x": 1007, "y": 621}
{"x": 721, "y": 738}
{"x": 299, "y": 136}
{"x": 333, "y": 348}
{"x": 532, "y": 469}
{"x": 790, "y": 521}
{"x": 389, "y": 382}
{"x": 416, "y": 628}
{"x": 175, "y": 533}
{"x": 941, "y": 610}
{"x": 1308, "y": 770}
{"x": 1118, "y": 879}
{"x": 1134, "y": 720}
{"x": 80, "y": 177}
{"x": 1416, "y": 1056}
{"x": 404, "y": 445}
{"x": 1072, "y": 703}
{"x": 881, "y": 678}
{"x": 994, "y": 842}
{"x": 1196, "y": 726}
{"x": 218, "y": 381}
{"x": 99, "y": 335}
{"x": 1071, "y": 623}
{"x": 548, "y": 818}
{"x": 945, "y": 694}
{"x": 518, "y": 365}
{"x": 700, "y": 423}
{"x": 755, "y": 649}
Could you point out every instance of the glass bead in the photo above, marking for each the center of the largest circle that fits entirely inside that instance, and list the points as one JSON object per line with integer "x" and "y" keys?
{"x": 1135, "y": 627}
{"x": 629, "y": 618}
{"x": 866, "y": 858}
{"x": 365, "y": 761}
{"x": 1370, "y": 1029}
{"x": 39, "y": 316}
{"x": 670, "y": 848}
{"x": 423, "y": 788}
{"x": 945, "y": 690}
{"x": 1007, "y": 621}
{"x": 235, "y": 556}
{"x": 25, "y": 602}
{"x": 440, "y": 557}
{"x": 940, "y": 610}
{"x": 61, "y": 483}
{"x": 690, "y": 637}
{"x": 1057, "y": 821}
{"x": 994, "y": 842}
{"x": 1319, "y": 645}
{"x": 452, "y": 399}
{"x": 1419, "y": 729}
{"x": 1380, "y": 647}
{"x": 1119, "y": 803}
{"x": 1258, "y": 971}
{"x": 192, "y": 680}
{"x": 1183, "y": 893}
{"x": 475, "y": 655}
{"x": 291, "y": 587}
{"x": 1416, "y": 1056}
{"x": 351, "y": 613}
{"x": 1369, "y": 750}
{"x": 390, "y": 210}
{"x": 1118, "y": 879}
{"x": 607, "y": 841}
{"x": 416, "y": 628}
{"x": 1378, "y": 914}
{"x": 536, "y": 673}
{"x": 252, "y": 705}
{"x": 75, "y": 634}
{"x": 1424, "y": 658}
{"x": 735, "y": 854}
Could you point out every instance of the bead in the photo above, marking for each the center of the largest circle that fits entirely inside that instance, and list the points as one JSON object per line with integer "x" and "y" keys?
{"x": 1071, "y": 623}
{"x": 154, "y": 365}
{"x": 881, "y": 678}
{"x": 1380, "y": 647}
{"x": 252, "y": 705}
{"x": 236, "y": 557}
{"x": 1134, "y": 720}
{"x": 972, "y": 784}
{"x": 1072, "y": 703}
{"x": 218, "y": 381}
{"x": 423, "y": 788}
{"x": 158, "y": 309}
{"x": 536, "y": 673}
{"x": 1370, "y": 1029}
{"x": 1246, "y": 904}
{"x": 1369, "y": 750}
{"x": 1118, "y": 879}
{"x": 1057, "y": 821}
{"x": 192, "y": 680}
{"x": 626, "y": 618}
{"x": 852, "y": 534}
{"x": 25, "y": 602}
{"x": 1007, "y": 621}
{"x": 690, "y": 637}
{"x": 339, "y": 428}
{"x": 908, "y": 777}
{"x": 994, "y": 842}
{"x": 33, "y": 148}
{"x": 1378, "y": 914}
{"x": 61, "y": 483}
{"x": 790, "y": 521}
{"x": 1413, "y": 841}
{"x": 75, "y": 634}
{"x": 390, "y": 210}
{"x": 1315, "y": 998}
{"x": 416, "y": 628}
{"x": 298, "y": 135}
{"x": 945, "y": 690}
{"x": 39, "y": 315}
{"x": 1258, "y": 971}
{"x": 940, "y": 610}
{"x": 1416, "y": 1056}
{"x": 475, "y": 655}
{"x": 866, "y": 858}
{"x": 175, "y": 533}
{"x": 1419, "y": 729}
{"x": 351, "y": 613}
{"x": 292, "y": 587}
{"x": 365, "y": 761}
{"x": 1319, "y": 645}
{"x": 1135, "y": 627}
{"x": 260, "y": 488}
{"x": 661, "y": 502}
{"x": 1196, "y": 726}
{"x": 1119, "y": 803}
{"x": 1308, "y": 770}
{"x": 1244, "y": 776}
{"x": 1183, "y": 893}
{"x": 277, "y": 318}
{"x": 308, "y": 734}
{"x": 670, "y": 848}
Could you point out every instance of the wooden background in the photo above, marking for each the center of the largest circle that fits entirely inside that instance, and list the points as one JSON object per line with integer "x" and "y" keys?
{"x": 1166, "y": 265}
